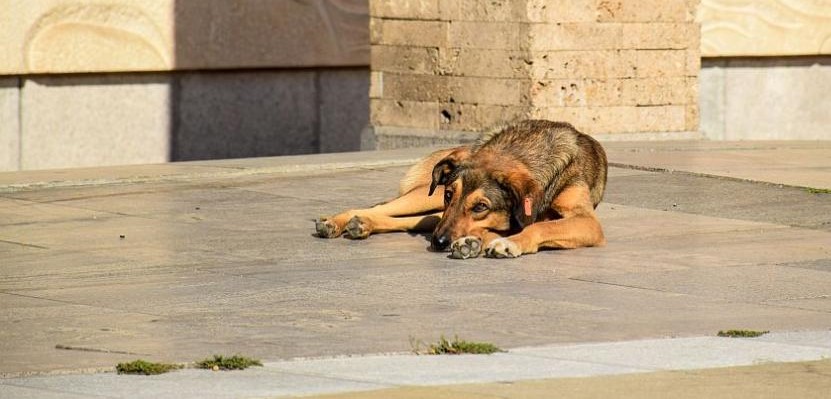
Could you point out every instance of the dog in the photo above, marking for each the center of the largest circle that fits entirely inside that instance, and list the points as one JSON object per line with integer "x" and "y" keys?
{"x": 531, "y": 185}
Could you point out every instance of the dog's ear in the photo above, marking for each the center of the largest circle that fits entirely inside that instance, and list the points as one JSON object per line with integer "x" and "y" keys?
{"x": 447, "y": 167}
{"x": 525, "y": 192}
{"x": 441, "y": 172}
{"x": 528, "y": 202}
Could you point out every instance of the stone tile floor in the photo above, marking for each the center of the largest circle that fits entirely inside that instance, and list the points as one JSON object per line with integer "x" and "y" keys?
{"x": 177, "y": 262}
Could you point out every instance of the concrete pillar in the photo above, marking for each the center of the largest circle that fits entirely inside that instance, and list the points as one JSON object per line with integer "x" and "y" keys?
{"x": 9, "y": 123}
{"x": 441, "y": 68}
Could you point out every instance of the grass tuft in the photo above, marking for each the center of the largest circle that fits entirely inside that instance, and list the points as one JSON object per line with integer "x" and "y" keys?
{"x": 741, "y": 333}
{"x": 455, "y": 347}
{"x": 145, "y": 368}
{"x": 236, "y": 362}
{"x": 813, "y": 190}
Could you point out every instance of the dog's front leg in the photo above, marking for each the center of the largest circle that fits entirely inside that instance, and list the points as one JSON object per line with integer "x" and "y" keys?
{"x": 572, "y": 232}
{"x": 579, "y": 227}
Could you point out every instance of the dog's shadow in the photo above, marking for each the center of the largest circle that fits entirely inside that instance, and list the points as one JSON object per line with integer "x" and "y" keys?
{"x": 426, "y": 237}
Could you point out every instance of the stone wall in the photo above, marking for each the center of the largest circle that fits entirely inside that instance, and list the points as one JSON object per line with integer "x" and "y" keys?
{"x": 57, "y": 121}
{"x": 611, "y": 67}
{"x": 90, "y": 83}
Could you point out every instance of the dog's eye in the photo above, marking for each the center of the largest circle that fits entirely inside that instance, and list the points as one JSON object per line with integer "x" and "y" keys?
{"x": 448, "y": 195}
{"x": 480, "y": 207}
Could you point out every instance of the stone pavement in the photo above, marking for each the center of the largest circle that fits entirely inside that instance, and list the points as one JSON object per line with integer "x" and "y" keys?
{"x": 176, "y": 262}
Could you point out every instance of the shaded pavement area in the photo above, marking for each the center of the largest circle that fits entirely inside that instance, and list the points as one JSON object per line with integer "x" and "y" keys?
{"x": 180, "y": 261}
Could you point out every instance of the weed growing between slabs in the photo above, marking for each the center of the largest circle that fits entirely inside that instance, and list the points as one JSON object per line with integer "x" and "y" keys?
{"x": 455, "y": 347}
{"x": 216, "y": 363}
{"x": 741, "y": 333}
{"x": 236, "y": 362}
{"x": 144, "y": 367}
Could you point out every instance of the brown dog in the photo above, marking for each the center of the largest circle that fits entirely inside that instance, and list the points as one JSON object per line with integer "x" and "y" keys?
{"x": 531, "y": 185}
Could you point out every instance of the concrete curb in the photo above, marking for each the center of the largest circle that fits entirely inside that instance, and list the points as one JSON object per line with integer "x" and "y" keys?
{"x": 365, "y": 373}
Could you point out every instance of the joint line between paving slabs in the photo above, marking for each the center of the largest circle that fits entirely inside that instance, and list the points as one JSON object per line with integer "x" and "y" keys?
{"x": 623, "y": 285}
{"x": 23, "y": 244}
{"x": 707, "y": 175}
{"x": 791, "y": 307}
{"x": 590, "y": 362}
{"x": 79, "y": 304}
{"x": 73, "y": 394}
{"x": 380, "y": 384}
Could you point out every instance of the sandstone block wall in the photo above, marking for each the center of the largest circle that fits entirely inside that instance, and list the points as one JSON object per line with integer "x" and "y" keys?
{"x": 608, "y": 66}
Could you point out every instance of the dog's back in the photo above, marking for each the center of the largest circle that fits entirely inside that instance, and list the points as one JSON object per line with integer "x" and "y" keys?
{"x": 555, "y": 152}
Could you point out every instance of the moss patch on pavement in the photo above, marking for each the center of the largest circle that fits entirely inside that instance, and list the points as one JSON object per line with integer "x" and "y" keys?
{"x": 144, "y": 367}
{"x": 455, "y": 347}
{"x": 236, "y": 362}
{"x": 741, "y": 333}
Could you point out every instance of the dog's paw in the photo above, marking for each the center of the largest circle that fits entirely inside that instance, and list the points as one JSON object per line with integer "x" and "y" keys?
{"x": 502, "y": 248}
{"x": 327, "y": 228}
{"x": 466, "y": 247}
{"x": 358, "y": 228}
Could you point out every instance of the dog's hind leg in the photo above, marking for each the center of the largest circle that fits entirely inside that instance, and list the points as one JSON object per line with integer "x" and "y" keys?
{"x": 579, "y": 227}
{"x": 415, "y": 202}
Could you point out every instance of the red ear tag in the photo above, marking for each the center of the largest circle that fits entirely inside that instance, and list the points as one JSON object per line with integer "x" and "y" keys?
{"x": 527, "y": 206}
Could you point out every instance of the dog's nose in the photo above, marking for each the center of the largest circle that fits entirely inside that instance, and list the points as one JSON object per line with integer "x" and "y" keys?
{"x": 440, "y": 242}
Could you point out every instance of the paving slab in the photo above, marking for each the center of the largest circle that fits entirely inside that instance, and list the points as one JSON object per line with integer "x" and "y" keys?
{"x": 253, "y": 383}
{"x": 682, "y": 353}
{"x": 439, "y": 370}
{"x": 795, "y": 163}
{"x": 818, "y": 339}
{"x": 18, "y": 392}
{"x": 754, "y": 284}
{"x": 732, "y": 199}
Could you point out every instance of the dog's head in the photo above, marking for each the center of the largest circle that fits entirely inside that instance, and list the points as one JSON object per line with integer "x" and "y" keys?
{"x": 482, "y": 192}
